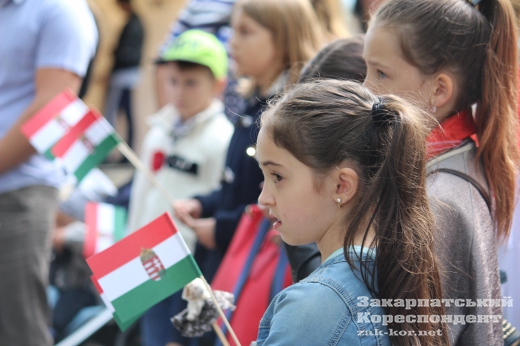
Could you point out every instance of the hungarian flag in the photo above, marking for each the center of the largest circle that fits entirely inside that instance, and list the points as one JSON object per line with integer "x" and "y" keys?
{"x": 51, "y": 123}
{"x": 144, "y": 268}
{"x": 86, "y": 144}
{"x": 105, "y": 225}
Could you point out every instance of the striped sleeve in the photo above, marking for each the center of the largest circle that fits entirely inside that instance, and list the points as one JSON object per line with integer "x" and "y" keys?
{"x": 207, "y": 15}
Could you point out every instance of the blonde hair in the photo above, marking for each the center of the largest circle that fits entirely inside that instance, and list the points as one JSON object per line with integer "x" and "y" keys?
{"x": 295, "y": 29}
{"x": 330, "y": 15}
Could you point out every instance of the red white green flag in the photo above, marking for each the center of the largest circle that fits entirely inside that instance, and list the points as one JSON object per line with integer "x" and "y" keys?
{"x": 144, "y": 268}
{"x": 86, "y": 144}
{"x": 105, "y": 225}
{"x": 51, "y": 123}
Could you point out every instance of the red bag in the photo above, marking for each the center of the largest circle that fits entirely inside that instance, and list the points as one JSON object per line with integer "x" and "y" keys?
{"x": 254, "y": 269}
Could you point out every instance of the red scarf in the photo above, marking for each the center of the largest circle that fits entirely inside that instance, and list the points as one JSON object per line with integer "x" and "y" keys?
{"x": 451, "y": 133}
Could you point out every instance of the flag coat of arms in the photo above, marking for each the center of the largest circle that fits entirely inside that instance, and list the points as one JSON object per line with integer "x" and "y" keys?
{"x": 152, "y": 264}
{"x": 105, "y": 224}
{"x": 144, "y": 268}
{"x": 86, "y": 144}
{"x": 51, "y": 123}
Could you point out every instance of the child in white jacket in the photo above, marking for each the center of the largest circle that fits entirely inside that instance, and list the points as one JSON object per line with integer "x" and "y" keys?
{"x": 185, "y": 148}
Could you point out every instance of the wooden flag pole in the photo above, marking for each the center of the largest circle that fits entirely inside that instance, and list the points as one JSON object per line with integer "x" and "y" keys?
{"x": 220, "y": 334}
{"x": 134, "y": 160}
{"x": 221, "y": 313}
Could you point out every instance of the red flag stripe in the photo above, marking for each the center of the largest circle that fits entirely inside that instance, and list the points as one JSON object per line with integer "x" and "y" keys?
{"x": 49, "y": 111}
{"x": 91, "y": 226}
{"x": 130, "y": 247}
{"x": 75, "y": 133}
{"x": 96, "y": 284}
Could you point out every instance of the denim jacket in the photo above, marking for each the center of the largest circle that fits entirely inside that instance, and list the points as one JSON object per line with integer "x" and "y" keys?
{"x": 324, "y": 309}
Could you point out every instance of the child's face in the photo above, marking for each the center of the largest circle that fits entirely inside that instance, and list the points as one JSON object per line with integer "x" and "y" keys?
{"x": 303, "y": 214}
{"x": 387, "y": 70}
{"x": 191, "y": 90}
{"x": 252, "y": 47}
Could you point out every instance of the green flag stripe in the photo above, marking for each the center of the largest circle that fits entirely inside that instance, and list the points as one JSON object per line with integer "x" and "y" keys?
{"x": 101, "y": 151}
{"x": 48, "y": 154}
{"x": 120, "y": 221}
{"x": 143, "y": 297}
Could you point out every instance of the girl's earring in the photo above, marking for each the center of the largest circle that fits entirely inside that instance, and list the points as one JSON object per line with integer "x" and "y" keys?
{"x": 339, "y": 202}
{"x": 433, "y": 109}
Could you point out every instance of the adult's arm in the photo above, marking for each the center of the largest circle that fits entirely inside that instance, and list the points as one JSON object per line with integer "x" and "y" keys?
{"x": 66, "y": 43}
{"x": 14, "y": 147}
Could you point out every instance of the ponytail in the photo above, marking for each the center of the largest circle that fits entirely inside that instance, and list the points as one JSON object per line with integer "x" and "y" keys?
{"x": 497, "y": 111}
{"x": 325, "y": 123}
{"x": 478, "y": 44}
{"x": 405, "y": 262}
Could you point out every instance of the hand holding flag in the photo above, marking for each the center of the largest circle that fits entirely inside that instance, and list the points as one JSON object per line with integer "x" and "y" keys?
{"x": 53, "y": 121}
{"x": 67, "y": 129}
{"x": 86, "y": 144}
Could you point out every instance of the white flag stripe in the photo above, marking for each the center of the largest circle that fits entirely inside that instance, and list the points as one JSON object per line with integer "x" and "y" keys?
{"x": 97, "y": 132}
{"x": 74, "y": 112}
{"x": 52, "y": 131}
{"x": 47, "y": 136}
{"x": 107, "y": 302}
{"x": 106, "y": 218}
{"x": 132, "y": 274}
{"x": 75, "y": 156}
{"x": 104, "y": 242}
{"x": 78, "y": 152}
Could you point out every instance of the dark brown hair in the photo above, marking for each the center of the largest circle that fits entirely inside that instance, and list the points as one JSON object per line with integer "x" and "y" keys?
{"x": 341, "y": 59}
{"x": 325, "y": 123}
{"x": 479, "y": 46}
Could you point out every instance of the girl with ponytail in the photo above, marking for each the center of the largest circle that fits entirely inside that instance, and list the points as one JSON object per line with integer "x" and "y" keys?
{"x": 346, "y": 169}
{"x": 458, "y": 59}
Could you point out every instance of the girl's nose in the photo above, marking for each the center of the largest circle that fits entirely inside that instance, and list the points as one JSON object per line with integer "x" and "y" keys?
{"x": 265, "y": 199}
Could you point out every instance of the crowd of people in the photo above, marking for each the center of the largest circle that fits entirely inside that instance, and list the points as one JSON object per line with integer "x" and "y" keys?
{"x": 382, "y": 165}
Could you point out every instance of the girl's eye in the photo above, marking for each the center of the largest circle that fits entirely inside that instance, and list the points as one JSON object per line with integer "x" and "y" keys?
{"x": 277, "y": 177}
{"x": 381, "y": 74}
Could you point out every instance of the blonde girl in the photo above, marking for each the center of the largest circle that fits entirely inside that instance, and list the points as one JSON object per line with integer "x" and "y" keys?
{"x": 271, "y": 42}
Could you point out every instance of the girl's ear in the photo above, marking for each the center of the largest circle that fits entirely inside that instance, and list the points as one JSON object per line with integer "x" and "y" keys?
{"x": 442, "y": 91}
{"x": 346, "y": 180}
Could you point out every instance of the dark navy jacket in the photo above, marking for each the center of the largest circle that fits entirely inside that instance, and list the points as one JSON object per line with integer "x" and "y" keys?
{"x": 240, "y": 187}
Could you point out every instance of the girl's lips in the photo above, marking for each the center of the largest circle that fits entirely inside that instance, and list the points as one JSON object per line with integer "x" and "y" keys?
{"x": 277, "y": 224}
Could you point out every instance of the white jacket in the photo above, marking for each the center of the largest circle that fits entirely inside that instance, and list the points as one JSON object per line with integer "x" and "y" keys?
{"x": 192, "y": 164}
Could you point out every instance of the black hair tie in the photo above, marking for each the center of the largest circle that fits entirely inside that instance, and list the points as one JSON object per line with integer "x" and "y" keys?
{"x": 380, "y": 115}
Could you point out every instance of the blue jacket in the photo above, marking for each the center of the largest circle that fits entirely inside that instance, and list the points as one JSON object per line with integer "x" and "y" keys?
{"x": 240, "y": 187}
{"x": 325, "y": 309}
